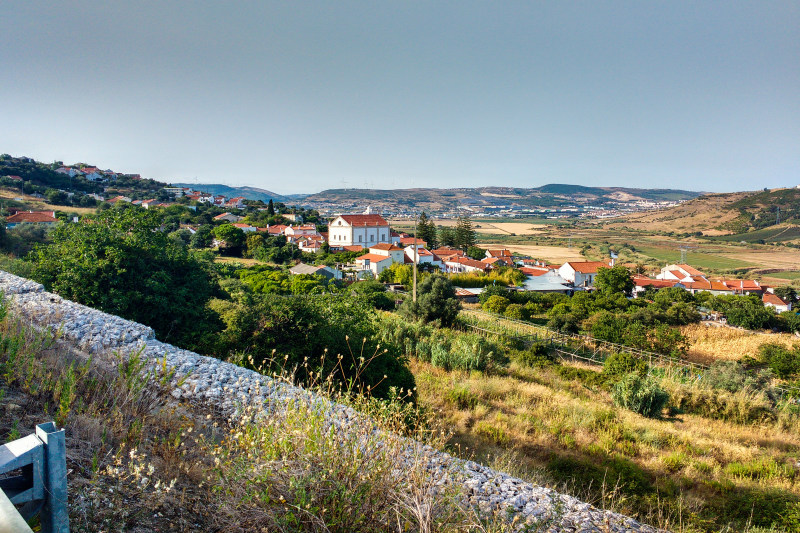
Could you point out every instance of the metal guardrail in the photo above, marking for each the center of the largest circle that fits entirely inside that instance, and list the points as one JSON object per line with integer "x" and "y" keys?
{"x": 585, "y": 347}
{"x": 41, "y": 488}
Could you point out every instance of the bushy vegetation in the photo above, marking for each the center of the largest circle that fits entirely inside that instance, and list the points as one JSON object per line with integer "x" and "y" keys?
{"x": 119, "y": 262}
{"x": 640, "y": 394}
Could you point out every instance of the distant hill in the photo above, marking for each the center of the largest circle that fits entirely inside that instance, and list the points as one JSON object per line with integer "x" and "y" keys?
{"x": 250, "y": 193}
{"x": 748, "y": 216}
{"x": 547, "y": 196}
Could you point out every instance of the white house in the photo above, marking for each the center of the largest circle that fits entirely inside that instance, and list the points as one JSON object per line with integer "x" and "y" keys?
{"x": 389, "y": 250}
{"x": 358, "y": 230}
{"x": 300, "y": 231}
{"x": 457, "y": 265}
{"x": 581, "y": 273}
{"x": 374, "y": 262}
{"x": 676, "y": 272}
{"x": 69, "y": 171}
{"x": 424, "y": 256}
{"x": 774, "y": 301}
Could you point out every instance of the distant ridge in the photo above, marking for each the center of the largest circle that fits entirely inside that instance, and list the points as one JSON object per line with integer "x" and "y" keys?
{"x": 249, "y": 193}
{"x": 546, "y": 196}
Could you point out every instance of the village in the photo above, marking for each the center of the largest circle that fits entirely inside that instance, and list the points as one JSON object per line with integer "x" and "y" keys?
{"x": 380, "y": 247}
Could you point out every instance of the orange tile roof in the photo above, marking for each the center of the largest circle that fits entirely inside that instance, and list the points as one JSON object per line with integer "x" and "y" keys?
{"x": 375, "y": 258}
{"x": 587, "y": 267}
{"x": 32, "y": 216}
{"x": 691, "y": 270}
{"x": 770, "y": 298}
{"x": 534, "y": 271}
{"x": 386, "y": 247}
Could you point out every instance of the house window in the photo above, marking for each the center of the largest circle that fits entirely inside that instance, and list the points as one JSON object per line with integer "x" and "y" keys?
{"x": 359, "y": 238}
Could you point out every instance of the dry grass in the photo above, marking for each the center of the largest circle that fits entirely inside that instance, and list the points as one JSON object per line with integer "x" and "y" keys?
{"x": 709, "y": 343}
{"x": 536, "y": 421}
{"x": 37, "y": 204}
{"x": 552, "y": 254}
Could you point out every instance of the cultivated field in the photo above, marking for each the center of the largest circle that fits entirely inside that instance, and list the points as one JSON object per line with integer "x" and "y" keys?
{"x": 551, "y": 254}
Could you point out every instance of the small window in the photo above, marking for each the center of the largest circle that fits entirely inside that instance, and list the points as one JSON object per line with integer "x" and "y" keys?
{"x": 359, "y": 238}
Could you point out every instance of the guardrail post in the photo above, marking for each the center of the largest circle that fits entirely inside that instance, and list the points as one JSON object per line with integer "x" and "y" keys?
{"x": 54, "y": 515}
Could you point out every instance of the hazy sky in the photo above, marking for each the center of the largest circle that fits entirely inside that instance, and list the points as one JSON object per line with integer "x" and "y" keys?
{"x": 301, "y": 96}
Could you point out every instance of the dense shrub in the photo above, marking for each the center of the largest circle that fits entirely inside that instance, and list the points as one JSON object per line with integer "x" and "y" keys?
{"x": 436, "y": 302}
{"x": 783, "y": 361}
{"x": 733, "y": 377}
{"x": 642, "y": 395}
{"x": 516, "y": 312}
{"x": 743, "y": 407}
{"x": 496, "y": 304}
{"x": 620, "y": 364}
{"x": 536, "y": 356}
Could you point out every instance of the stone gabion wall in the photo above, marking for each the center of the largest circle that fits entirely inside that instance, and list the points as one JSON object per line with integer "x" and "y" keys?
{"x": 225, "y": 386}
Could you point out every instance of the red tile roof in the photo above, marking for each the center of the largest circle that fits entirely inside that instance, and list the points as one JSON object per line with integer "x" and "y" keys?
{"x": 32, "y": 216}
{"x": 534, "y": 271}
{"x": 692, "y": 271}
{"x": 409, "y": 241}
{"x": 587, "y": 267}
{"x": 770, "y": 298}
{"x": 499, "y": 253}
{"x": 656, "y": 283}
{"x": 364, "y": 220}
{"x": 469, "y": 262}
{"x": 447, "y": 251}
{"x": 386, "y": 247}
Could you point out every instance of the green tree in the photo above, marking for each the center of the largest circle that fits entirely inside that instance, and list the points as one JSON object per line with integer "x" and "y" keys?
{"x": 787, "y": 294}
{"x": 270, "y": 208}
{"x": 614, "y": 280}
{"x": 232, "y": 237}
{"x": 436, "y": 302}
{"x": 120, "y": 262}
{"x": 464, "y": 234}
{"x": 426, "y": 230}
{"x": 447, "y": 236}
{"x": 203, "y": 237}
{"x": 474, "y": 252}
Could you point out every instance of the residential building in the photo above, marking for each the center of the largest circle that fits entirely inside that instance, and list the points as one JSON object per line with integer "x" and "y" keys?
{"x": 396, "y": 253}
{"x": 581, "y": 273}
{"x": 228, "y": 217}
{"x": 328, "y": 272}
{"x": 772, "y": 300}
{"x": 47, "y": 218}
{"x": 374, "y": 262}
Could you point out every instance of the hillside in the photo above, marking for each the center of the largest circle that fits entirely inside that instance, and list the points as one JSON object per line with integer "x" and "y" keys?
{"x": 748, "y": 216}
{"x": 250, "y": 193}
{"x": 547, "y": 196}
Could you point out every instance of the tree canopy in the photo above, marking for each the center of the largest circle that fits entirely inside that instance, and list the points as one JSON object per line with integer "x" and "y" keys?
{"x": 120, "y": 262}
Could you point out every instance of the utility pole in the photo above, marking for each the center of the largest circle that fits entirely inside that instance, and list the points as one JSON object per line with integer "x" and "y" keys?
{"x": 414, "y": 291}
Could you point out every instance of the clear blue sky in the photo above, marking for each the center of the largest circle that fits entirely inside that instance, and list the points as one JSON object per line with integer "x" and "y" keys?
{"x": 302, "y": 96}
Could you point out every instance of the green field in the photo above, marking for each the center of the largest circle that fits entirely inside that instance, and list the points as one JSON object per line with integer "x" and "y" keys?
{"x": 785, "y": 275}
{"x": 779, "y": 234}
{"x": 697, "y": 259}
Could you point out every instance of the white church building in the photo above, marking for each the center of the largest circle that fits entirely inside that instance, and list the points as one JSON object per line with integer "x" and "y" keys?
{"x": 358, "y": 230}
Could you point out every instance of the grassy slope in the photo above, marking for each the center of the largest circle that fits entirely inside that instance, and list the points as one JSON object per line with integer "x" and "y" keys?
{"x": 686, "y": 473}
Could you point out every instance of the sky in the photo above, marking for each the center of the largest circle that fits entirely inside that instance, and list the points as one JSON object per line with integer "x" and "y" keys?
{"x": 298, "y": 97}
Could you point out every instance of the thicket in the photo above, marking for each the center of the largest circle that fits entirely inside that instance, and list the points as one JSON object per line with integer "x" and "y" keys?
{"x": 312, "y": 335}
{"x": 117, "y": 261}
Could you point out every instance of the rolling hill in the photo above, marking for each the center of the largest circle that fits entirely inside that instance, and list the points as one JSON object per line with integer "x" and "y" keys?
{"x": 547, "y": 196}
{"x": 250, "y": 193}
{"x": 740, "y": 216}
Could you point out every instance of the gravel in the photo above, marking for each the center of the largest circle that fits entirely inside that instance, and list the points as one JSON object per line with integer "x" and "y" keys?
{"x": 226, "y": 387}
